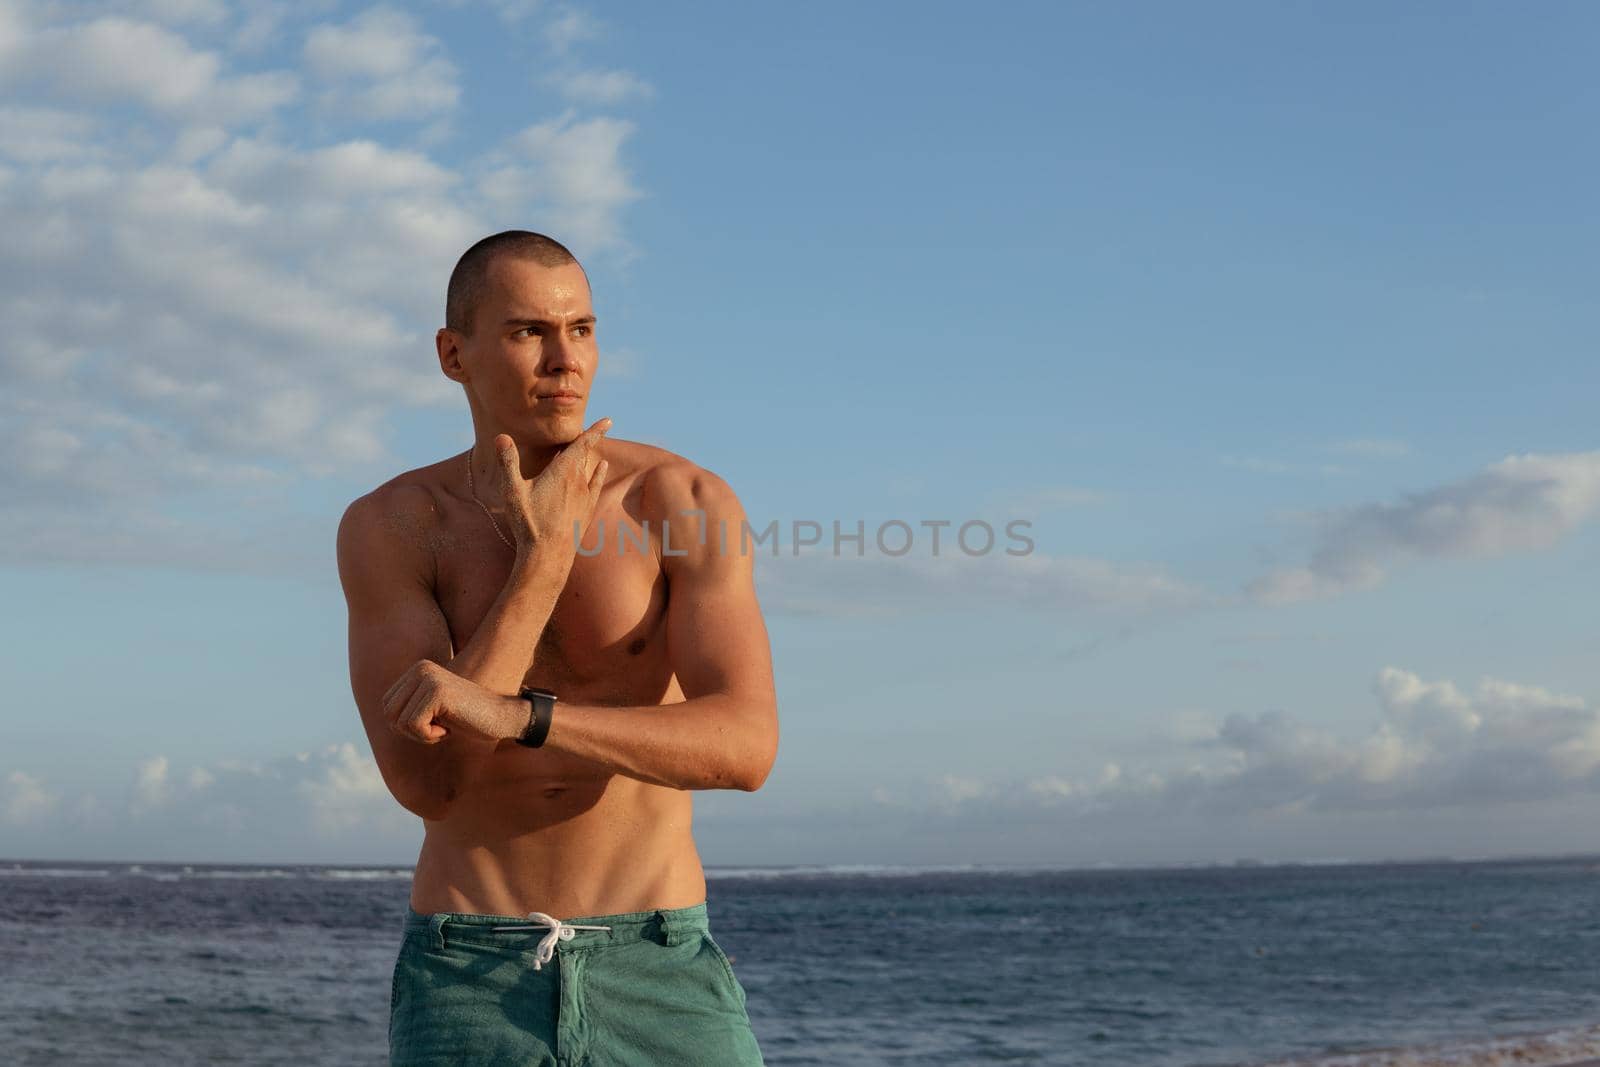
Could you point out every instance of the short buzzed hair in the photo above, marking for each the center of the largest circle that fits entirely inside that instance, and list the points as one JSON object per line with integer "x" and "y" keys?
{"x": 470, "y": 279}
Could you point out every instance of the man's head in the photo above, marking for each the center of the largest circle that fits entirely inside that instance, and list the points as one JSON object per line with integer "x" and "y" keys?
{"x": 519, "y": 330}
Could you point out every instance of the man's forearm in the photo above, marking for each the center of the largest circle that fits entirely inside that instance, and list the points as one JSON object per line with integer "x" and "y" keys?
{"x": 718, "y": 741}
{"x": 502, "y": 647}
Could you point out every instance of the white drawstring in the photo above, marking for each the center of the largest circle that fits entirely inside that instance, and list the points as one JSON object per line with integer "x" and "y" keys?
{"x": 559, "y": 931}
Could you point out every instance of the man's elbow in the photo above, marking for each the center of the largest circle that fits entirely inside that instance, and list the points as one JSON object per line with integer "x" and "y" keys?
{"x": 756, "y": 778}
{"x": 427, "y": 796}
{"x": 758, "y": 766}
{"x": 425, "y": 804}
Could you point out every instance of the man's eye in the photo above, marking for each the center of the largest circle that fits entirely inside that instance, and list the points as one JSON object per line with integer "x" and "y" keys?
{"x": 586, "y": 330}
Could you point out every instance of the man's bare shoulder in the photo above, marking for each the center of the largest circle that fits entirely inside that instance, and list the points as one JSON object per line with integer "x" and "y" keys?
{"x": 401, "y": 514}
{"x": 667, "y": 482}
{"x": 672, "y": 491}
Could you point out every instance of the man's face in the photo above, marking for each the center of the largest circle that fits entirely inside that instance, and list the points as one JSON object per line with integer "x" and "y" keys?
{"x": 532, "y": 356}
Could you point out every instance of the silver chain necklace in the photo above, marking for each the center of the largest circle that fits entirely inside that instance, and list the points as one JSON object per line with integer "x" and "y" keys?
{"x": 474, "y": 491}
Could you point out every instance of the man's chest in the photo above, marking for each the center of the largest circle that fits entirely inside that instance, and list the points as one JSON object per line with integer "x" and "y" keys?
{"x": 606, "y": 635}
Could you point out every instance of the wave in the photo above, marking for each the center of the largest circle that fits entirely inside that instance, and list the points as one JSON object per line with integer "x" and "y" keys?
{"x": 830, "y": 870}
{"x": 368, "y": 874}
{"x": 186, "y": 872}
{"x": 16, "y": 870}
{"x": 1551, "y": 1048}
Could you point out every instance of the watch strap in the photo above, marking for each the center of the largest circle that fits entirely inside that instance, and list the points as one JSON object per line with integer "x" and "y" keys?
{"x": 542, "y": 703}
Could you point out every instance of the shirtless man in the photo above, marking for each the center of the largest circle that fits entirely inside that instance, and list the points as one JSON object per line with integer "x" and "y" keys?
{"x": 558, "y": 910}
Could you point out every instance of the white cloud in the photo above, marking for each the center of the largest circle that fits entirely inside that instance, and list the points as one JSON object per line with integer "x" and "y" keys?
{"x": 1519, "y": 504}
{"x": 150, "y": 786}
{"x": 14, "y": 32}
{"x": 1435, "y": 751}
{"x": 512, "y": 11}
{"x": 954, "y": 788}
{"x": 571, "y": 168}
{"x": 312, "y": 802}
{"x": 207, "y": 13}
{"x": 601, "y": 87}
{"x": 1433, "y": 746}
{"x": 566, "y": 29}
{"x": 381, "y": 65}
{"x": 24, "y": 799}
{"x": 196, "y": 303}
{"x": 343, "y": 790}
{"x": 117, "y": 60}
{"x": 262, "y": 25}
{"x": 32, "y": 135}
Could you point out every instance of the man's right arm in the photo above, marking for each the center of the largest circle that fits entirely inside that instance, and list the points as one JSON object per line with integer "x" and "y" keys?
{"x": 395, "y": 620}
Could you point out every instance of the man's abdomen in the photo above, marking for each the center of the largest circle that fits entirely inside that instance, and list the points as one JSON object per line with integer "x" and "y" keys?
{"x": 586, "y": 847}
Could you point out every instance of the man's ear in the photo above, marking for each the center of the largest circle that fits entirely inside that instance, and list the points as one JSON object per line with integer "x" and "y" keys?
{"x": 448, "y": 343}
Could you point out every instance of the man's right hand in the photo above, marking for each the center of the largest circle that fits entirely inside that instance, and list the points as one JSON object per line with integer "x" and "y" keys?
{"x": 561, "y": 500}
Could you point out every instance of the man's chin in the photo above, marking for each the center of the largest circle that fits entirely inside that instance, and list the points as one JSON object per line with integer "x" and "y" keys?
{"x": 557, "y": 428}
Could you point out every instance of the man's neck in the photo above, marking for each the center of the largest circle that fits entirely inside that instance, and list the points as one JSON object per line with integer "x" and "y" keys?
{"x": 532, "y": 459}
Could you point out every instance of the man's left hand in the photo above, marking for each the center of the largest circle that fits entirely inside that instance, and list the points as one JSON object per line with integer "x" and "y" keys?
{"x": 428, "y": 701}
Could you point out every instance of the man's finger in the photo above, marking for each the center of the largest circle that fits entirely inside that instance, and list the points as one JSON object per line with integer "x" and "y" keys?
{"x": 591, "y": 463}
{"x": 425, "y": 692}
{"x": 405, "y": 677}
{"x": 415, "y": 713}
{"x": 576, "y": 451}
{"x": 597, "y": 483}
{"x": 505, "y": 453}
{"x": 583, "y": 448}
{"x": 399, "y": 695}
{"x": 589, "y": 439}
{"x": 425, "y": 728}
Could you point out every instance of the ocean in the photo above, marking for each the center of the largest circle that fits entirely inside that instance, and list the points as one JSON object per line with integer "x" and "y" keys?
{"x": 1342, "y": 965}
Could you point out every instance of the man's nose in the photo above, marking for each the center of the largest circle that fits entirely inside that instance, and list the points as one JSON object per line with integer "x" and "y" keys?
{"x": 561, "y": 354}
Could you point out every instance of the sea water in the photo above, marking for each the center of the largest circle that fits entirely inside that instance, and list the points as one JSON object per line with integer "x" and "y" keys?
{"x": 1453, "y": 963}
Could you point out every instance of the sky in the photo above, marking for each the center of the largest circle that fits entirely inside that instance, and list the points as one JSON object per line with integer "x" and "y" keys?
{"x": 1271, "y": 323}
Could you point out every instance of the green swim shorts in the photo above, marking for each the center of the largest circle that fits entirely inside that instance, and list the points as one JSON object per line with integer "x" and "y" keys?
{"x": 653, "y": 989}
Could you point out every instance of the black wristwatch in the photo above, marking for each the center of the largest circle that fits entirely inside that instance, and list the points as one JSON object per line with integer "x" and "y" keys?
{"x": 544, "y": 706}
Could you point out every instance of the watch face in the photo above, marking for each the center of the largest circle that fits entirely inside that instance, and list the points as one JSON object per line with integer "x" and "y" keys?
{"x": 539, "y": 692}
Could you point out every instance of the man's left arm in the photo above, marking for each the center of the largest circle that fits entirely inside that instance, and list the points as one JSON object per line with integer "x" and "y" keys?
{"x": 724, "y": 733}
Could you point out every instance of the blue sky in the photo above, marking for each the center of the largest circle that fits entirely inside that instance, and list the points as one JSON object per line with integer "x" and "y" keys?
{"x": 1274, "y": 321}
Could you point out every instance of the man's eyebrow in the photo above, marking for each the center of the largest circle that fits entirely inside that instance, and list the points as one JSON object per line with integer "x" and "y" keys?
{"x": 587, "y": 320}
